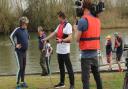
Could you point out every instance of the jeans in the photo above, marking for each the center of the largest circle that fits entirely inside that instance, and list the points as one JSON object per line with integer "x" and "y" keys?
{"x": 86, "y": 65}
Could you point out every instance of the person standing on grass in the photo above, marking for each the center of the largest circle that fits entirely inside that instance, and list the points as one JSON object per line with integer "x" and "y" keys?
{"x": 109, "y": 51}
{"x": 88, "y": 37}
{"x": 48, "y": 53}
{"x": 63, "y": 35}
{"x": 119, "y": 49}
{"x": 41, "y": 36}
{"x": 19, "y": 38}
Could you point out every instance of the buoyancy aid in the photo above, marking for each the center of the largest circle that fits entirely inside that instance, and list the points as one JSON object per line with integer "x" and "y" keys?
{"x": 60, "y": 33}
{"x": 90, "y": 39}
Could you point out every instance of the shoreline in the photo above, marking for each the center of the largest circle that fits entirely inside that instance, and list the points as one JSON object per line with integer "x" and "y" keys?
{"x": 103, "y": 28}
{"x": 57, "y": 73}
{"x": 75, "y": 72}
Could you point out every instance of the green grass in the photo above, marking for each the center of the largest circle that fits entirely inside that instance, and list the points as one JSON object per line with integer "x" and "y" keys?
{"x": 110, "y": 81}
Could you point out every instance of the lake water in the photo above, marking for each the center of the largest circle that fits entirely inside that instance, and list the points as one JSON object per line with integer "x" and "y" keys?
{"x": 8, "y": 61}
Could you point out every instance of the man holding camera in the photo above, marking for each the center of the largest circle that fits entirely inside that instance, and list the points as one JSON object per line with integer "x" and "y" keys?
{"x": 88, "y": 37}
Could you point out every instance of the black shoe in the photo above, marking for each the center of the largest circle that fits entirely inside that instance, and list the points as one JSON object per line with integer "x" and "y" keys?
{"x": 71, "y": 87}
{"x": 60, "y": 85}
{"x": 44, "y": 74}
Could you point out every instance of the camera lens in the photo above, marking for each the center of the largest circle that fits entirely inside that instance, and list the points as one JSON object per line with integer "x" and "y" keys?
{"x": 77, "y": 3}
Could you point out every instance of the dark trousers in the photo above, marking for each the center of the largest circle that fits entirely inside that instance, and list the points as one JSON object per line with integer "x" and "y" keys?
{"x": 21, "y": 60}
{"x": 43, "y": 62}
{"x": 86, "y": 65}
{"x": 48, "y": 64}
{"x": 119, "y": 55}
{"x": 64, "y": 60}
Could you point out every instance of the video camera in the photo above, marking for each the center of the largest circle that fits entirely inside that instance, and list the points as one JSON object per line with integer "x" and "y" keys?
{"x": 96, "y": 8}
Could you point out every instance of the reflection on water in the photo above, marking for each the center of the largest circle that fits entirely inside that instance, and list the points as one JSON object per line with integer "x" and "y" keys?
{"x": 8, "y": 61}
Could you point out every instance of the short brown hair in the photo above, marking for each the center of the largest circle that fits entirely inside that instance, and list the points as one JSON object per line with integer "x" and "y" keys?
{"x": 61, "y": 14}
{"x": 87, "y": 4}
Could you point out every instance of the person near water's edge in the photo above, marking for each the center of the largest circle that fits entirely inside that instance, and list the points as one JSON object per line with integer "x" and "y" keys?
{"x": 48, "y": 53}
{"x": 63, "y": 37}
{"x": 19, "y": 38}
{"x": 108, "y": 46}
{"x": 88, "y": 37}
{"x": 41, "y": 36}
{"x": 119, "y": 49}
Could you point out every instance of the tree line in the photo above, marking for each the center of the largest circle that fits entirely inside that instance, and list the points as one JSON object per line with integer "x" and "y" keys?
{"x": 44, "y": 13}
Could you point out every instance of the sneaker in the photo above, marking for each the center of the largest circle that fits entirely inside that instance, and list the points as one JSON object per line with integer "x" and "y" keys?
{"x": 24, "y": 85}
{"x": 44, "y": 74}
{"x": 60, "y": 85}
{"x": 71, "y": 87}
{"x": 18, "y": 87}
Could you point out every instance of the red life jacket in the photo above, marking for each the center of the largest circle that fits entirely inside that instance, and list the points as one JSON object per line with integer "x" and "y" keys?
{"x": 60, "y": 33}
{"x": 90, "y": 39}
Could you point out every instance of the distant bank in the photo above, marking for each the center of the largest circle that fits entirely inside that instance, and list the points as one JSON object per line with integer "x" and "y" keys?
{"x": 103, "y": 28}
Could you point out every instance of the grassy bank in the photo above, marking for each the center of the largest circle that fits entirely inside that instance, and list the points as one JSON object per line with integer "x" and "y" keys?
{"x": 110, "y": 81}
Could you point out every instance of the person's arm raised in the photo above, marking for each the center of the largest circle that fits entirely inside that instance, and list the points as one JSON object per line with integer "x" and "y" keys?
{"x": 50, "y": 36}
